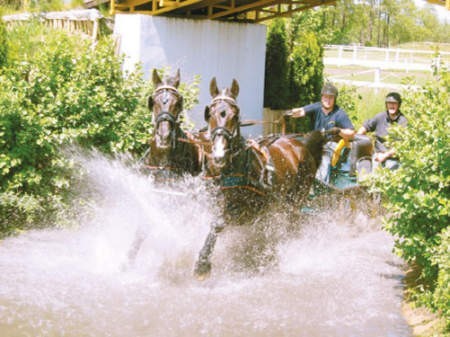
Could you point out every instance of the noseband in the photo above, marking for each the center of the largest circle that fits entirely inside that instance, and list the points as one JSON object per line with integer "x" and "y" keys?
{"x": 221, "y": 131}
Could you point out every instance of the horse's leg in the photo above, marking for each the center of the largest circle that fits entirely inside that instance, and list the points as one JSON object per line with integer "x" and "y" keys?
{"x": 139, "y": 238}
{"x": 203, "y": 264}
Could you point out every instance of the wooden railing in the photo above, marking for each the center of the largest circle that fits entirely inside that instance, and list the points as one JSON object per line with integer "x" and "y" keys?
{"x": 85, "y": 22}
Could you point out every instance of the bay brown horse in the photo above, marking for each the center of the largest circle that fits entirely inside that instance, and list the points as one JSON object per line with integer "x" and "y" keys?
{"x": 172, "y": 152}
{"x": 252, "y": 174}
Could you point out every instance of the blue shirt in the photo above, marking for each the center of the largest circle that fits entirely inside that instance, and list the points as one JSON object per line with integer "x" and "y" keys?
{"x": 336, "y": 118}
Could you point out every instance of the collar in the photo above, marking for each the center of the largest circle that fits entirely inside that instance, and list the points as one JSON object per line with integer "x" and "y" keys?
{"x": 335, "y": 108}
{"x": 390, "y": 120}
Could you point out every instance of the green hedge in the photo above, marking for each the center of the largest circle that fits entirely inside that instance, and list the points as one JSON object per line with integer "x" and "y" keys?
{"x": 418, "y": 194}
{"x": 276, "y": 89}
{"x": 57, "y": 90}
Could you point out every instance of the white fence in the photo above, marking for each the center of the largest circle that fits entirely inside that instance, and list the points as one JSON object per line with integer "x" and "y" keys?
{"x": 365, "y": 61}
{"x": 385, "y": 58}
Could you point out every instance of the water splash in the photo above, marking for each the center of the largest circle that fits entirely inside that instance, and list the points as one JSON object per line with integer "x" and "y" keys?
{"x": 326, "y": 275}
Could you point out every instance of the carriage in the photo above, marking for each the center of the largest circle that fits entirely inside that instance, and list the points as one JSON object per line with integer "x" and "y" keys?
{"x": 250, "y": 175}
{"x": 350, "y": 163}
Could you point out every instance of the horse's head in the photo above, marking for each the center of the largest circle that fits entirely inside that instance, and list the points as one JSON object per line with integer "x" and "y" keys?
{"x": 222, "y": 116}
{"x": 167, "y": 104}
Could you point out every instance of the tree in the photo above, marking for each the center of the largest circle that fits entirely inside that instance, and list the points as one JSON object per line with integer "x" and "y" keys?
{"x": 306, "y": 70}
{"x": 380, "y": 23}
{"x": 276, "y": 71}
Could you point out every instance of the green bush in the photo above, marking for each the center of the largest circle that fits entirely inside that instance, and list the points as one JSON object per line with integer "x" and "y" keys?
{"x": 3, "y": 44}
{"x": 418, "y": 195}
{"x": 276, "y": 90}
{"x": 306, "y": 70}
{"x": 349, "y": 100}
{"x": 57, "y": 91}
{"x": 441, "y": 257}
{"x": 294, "y": 67}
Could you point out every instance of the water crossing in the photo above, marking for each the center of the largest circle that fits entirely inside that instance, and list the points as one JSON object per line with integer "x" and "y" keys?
{"x": 330, "y": 276}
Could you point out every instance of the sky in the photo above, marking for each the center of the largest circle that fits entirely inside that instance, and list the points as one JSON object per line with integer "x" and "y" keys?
{"x": 441, "y": 11}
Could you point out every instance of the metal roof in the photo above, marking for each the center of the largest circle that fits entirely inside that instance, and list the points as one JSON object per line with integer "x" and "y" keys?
{"x": 226, "y": 10}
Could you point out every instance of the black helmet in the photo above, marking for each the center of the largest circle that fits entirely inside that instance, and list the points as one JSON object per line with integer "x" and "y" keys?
{"x": 393, "y": 97}
{"x": 329, "y": 89}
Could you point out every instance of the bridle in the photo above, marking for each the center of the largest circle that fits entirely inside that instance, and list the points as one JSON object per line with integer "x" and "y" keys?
{"x": 165, "y": 115}
{"x": 221, "y": 130}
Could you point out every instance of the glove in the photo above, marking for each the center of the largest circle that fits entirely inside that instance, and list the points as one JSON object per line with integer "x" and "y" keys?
{"x": 334, "y": 131}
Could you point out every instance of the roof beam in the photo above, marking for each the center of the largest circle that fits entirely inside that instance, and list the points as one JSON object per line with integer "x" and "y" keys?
{"x": 445, "y": 3}
{"x": 303, "y": 5}
{"x": 234, "y": 10}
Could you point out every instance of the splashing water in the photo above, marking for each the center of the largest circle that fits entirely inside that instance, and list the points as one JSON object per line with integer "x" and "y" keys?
{"x": 329, "y": 276}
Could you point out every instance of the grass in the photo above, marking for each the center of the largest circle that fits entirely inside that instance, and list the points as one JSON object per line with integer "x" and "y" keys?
{"x": 356, "y": 73}
{"x": 425, "y": 46}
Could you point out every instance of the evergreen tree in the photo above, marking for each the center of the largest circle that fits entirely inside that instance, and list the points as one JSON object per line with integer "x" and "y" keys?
{"x": 276, "y": 84}
{"x": 306, "y": 70}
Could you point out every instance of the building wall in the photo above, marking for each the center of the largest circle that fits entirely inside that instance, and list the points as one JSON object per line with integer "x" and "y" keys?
{"x": 199, "y": 47}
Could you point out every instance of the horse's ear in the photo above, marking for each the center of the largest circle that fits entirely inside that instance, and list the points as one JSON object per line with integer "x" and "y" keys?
{"x": 214, "y": 91}
{"x": 235, "y": 88}
{"x": 176, "y": 79}
{"x": 156, "y": 79}
{"x": 150, "y": 102}
{"x": 207, "y": 115}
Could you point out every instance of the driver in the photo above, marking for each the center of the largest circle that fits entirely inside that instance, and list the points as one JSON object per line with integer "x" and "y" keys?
{"x": 327, "y": 115}
{"x": 380, "y": 125}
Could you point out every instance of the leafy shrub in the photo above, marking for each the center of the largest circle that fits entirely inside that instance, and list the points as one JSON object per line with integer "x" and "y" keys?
{"x": 56, "y": 91}
{"x": 276, "y": 86}
{"x": 349, "y": 99}
{"x": 306, "y": 70}
{"x": 441, "y": 257}
{"x": 418, "y": 194}
{"x": 294, "y": 68}
{"x": 3, "y": 44}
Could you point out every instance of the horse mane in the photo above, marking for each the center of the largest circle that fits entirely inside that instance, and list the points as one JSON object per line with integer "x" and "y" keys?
{"x": 315, "y": 142}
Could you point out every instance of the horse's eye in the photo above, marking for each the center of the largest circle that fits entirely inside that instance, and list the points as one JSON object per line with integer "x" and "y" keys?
{"x": 223, "y": 113}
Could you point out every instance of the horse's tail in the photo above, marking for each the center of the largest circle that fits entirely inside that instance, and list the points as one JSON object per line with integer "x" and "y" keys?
{"x": 315, "y": 142}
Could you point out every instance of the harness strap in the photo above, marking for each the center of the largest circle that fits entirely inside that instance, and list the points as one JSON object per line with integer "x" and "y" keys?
{"x": 224, "y": 98}
{"x": 160, "y": 168}
{"x": 245, "y": 187}
{"x": 165, "y": 87}
{"x": 262, "y": 150}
